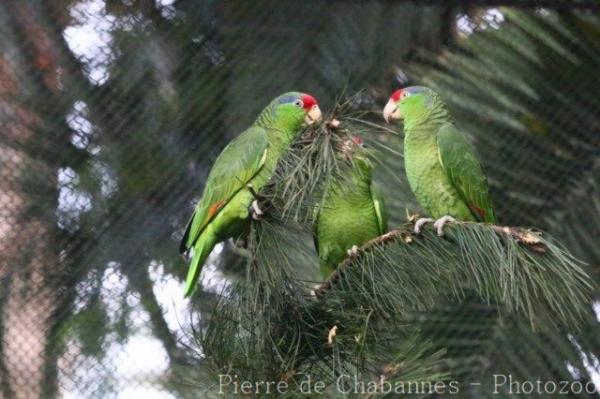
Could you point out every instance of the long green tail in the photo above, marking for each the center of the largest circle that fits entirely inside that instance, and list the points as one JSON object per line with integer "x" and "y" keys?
{"x": 202, "y": 249}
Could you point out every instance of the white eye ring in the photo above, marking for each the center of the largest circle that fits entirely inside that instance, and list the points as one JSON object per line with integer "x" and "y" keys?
{"x": 404, "y": 95}
{"x": 299, "y": 103}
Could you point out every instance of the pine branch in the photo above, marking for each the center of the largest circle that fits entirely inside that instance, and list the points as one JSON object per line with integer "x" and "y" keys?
{"x": 520, "y": 235}
{"x": 376, "y": 314}
{"x": 513, "y": 267}
{"x": 270, "y": 327}
{"x": 302, "y": 176}
{"x": 501, "y": 87}
{"x": 478, "y": 345}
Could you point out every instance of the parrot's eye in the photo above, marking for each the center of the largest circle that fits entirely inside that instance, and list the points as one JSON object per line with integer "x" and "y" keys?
{"x": 298, "y": 103}
{"x": 404, "y": 95}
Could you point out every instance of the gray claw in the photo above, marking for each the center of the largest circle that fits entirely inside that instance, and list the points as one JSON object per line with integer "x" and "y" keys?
{"x": 257, "y": 213}
{"x": 353, "y": 251}
{"x": 441, "y": 222}
{"x": 420, "y": 223}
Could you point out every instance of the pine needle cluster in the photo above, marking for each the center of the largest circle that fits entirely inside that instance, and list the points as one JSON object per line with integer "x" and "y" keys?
{"x": 375, "y": 316}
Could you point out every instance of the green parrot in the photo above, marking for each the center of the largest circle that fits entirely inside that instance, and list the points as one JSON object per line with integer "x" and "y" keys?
{"x": 352, "y": 211}
{"x": 441, "y": 165}
{"x": 244, "y": 166}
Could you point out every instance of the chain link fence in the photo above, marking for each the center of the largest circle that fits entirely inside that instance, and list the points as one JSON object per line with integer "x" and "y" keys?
{"x": 112, "y": 112}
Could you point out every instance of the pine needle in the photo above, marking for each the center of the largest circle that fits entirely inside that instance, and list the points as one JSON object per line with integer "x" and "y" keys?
{"x": 385, "y": 301}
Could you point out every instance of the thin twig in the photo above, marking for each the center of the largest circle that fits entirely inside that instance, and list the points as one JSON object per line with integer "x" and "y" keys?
{"x": 326, "y": 285}
{"x": 521, "y": 235}
{"x": 524, "y": 236}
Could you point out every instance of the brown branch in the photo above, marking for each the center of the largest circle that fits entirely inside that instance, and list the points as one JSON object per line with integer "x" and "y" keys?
{"x": 527, "y": 237}
{"x": 326, "y": 285}
{"x": 521, "y": 235}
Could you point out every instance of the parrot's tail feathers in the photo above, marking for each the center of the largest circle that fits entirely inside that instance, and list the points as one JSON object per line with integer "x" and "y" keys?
{"x": 183, "y": 245}
{"x": 202, "y": 249}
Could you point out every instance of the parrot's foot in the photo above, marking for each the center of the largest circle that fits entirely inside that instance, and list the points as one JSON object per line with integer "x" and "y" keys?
{"x": 439, "y": 224}
{"x": 255, "y": 210}
{"x": 420, "y": 223}
{"x": 353, "y": 251}
{"x": 315, "y": 290}
{"x": 333, "y": 123}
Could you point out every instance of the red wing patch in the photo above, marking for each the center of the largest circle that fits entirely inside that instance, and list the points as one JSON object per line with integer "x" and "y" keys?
{"x": 213, "y": 210}
{"x": 477, "y": 210}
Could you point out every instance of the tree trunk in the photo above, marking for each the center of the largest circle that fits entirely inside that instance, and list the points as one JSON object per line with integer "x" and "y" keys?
{"x": 28, "y": 260}
{"x": 25, "y": 254}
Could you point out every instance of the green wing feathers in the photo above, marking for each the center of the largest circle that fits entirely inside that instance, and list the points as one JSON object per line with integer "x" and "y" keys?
{"x": 459, "y": 160}
{"x": 202, "y": 249}
{"x": 380, "y": 210}
{"x": 237, "y": 164}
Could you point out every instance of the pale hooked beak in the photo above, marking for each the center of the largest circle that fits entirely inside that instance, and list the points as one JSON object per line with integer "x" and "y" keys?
{"x": 313, "y": 115}
{"x": 391, "y": 111}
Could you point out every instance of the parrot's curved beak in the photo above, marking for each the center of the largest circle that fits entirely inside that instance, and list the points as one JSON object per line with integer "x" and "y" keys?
{"x": 313, "y": 115}
{"x": 391, "y": 111}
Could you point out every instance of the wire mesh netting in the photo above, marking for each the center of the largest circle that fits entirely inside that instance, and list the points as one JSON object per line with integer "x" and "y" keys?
{"x": 112, "y": 113}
